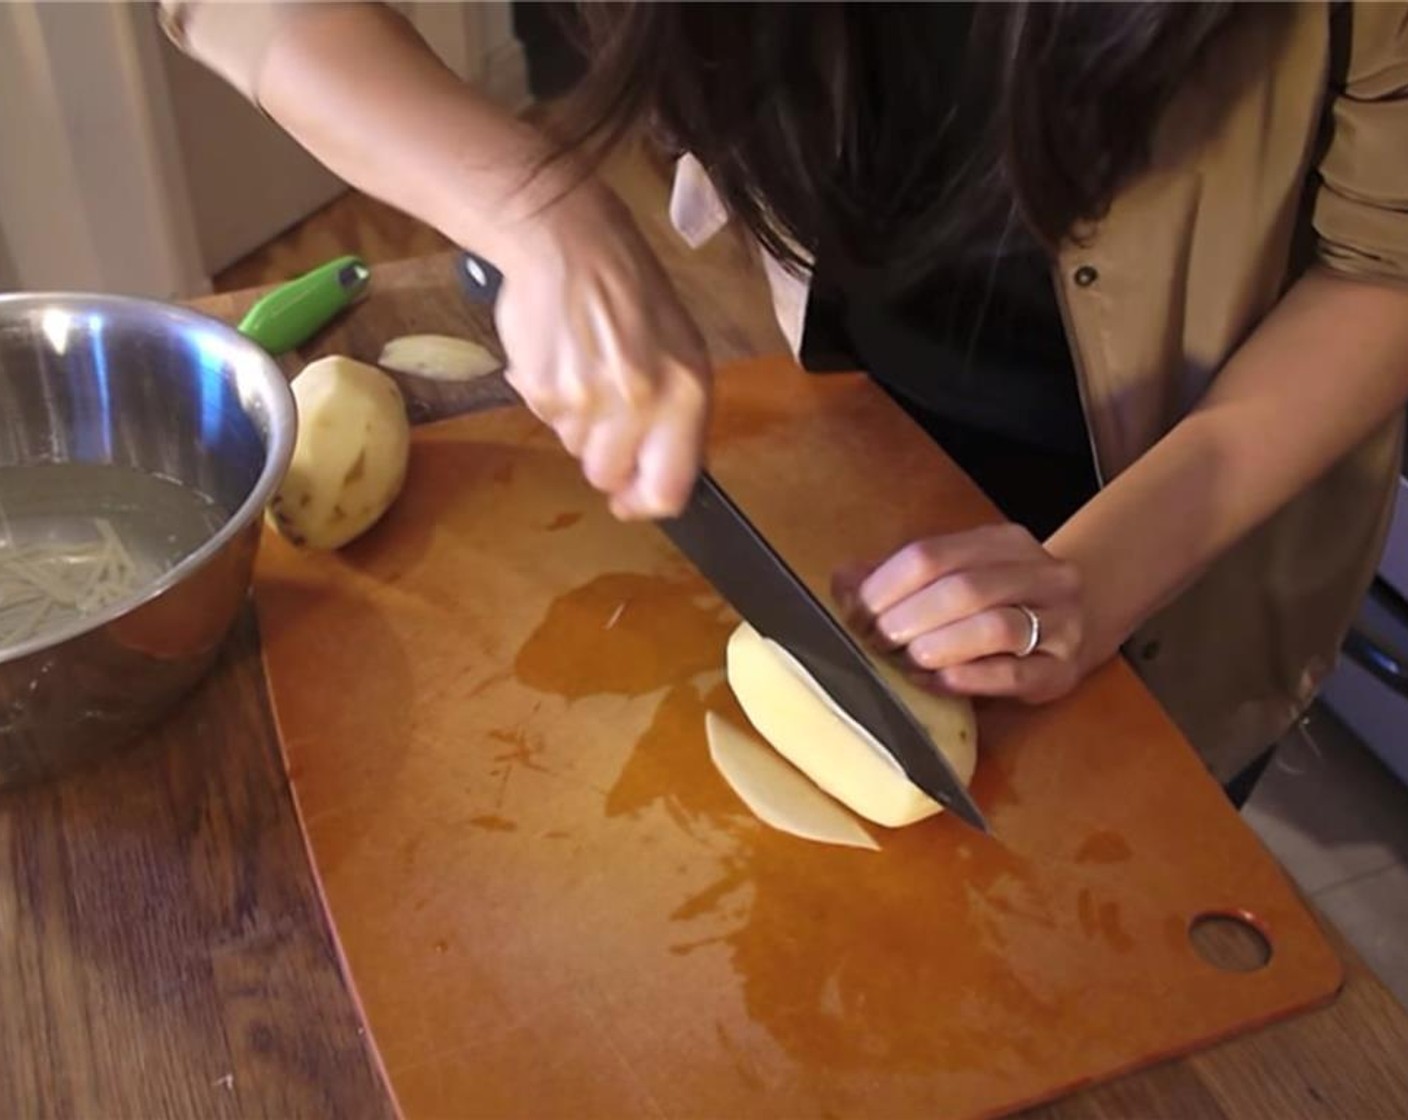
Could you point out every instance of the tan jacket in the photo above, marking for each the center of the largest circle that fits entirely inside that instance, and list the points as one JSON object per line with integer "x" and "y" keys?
{"x": 1287, "y": 145}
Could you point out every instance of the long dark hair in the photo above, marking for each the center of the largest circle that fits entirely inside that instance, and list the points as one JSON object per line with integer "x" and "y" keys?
{"x": 792, "y": 109}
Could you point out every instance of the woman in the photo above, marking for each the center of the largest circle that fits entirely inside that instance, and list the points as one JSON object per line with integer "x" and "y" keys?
{"x": 1154, "y": 254}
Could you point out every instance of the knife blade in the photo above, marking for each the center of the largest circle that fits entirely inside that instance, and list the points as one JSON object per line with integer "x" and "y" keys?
{"x": 729, "y": 551}
{"x": 720, "y": 541}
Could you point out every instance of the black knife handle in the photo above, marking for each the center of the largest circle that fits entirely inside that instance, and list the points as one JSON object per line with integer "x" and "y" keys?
{"x": 478, "y": 279}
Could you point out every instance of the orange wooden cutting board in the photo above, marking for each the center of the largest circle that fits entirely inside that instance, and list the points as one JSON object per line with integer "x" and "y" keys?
{"x": 550, "y": 905}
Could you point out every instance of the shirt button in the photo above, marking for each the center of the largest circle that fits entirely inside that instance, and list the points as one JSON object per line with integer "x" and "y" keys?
{"x": 1086, "y": 275}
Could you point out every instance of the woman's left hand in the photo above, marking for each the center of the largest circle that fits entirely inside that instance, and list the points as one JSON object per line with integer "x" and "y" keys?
{"x": 954, "y": 605}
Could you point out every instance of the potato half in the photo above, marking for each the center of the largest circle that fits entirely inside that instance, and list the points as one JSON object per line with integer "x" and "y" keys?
{"x": 792, "y": 712}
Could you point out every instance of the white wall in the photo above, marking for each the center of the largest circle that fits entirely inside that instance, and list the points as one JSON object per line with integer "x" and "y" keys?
{"x": 9, "y": 276}
{"x": 88, "y": 198}
{"x": 125, "y": 168}
{"x": 476, "y": 41}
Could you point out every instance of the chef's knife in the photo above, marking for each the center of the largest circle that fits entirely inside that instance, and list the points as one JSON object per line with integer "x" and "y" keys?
{"x": 726, "y": 548}
{"x": 728, "y": 551}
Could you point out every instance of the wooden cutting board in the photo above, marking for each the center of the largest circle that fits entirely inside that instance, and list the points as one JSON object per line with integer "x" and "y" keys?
{"x": 550, "y": 905}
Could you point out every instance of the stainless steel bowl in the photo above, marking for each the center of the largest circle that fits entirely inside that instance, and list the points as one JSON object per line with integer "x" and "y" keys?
{"x": 132, "y": 383}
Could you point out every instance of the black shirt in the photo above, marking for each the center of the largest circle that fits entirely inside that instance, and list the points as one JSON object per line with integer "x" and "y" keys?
{"x": 976, "y": 350}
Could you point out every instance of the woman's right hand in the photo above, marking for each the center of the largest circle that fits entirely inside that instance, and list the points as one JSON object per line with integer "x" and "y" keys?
{"x": 601, "y": 349}
{"x": 597, "y": 341}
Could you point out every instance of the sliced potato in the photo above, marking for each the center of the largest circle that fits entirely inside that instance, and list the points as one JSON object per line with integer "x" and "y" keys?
{"x": 808, "y": 728}
{"x": 779, "y": 794}
{"x": 349, "y": 460}
{"x": 439, "y": 357}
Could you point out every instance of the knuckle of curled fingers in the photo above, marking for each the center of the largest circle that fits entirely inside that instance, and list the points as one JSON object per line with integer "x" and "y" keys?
{"x": 1067, "y": 578}
{"x": 528, "y": 377}
{"x": 669, "y": 497}
{"x": 1053, "y": 643}
{"x": 927, "y": 654}
{"x": 640, "y": 385}
{"x": 965, "y": 592}
{"x": 888, "y": 633}
{"x": 543, "y": 403}
{"x": 524, "y": 387}
{"x": 696, "y": 366}
{"x": 1009, "y": 532}
{"x": 1070, "y": 641}
{"x": 1012, "y": 675}
{"x": 688, "y": 390}
{"x": 601, "y": 476}
{"x": 997, "y": 631}
{"x": 915, "y": 561}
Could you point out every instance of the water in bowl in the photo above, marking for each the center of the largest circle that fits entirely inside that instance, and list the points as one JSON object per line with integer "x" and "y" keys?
{"x": 76, "y": 538}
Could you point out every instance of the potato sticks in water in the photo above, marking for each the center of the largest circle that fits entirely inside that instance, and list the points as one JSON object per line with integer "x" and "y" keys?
{"x": 46, "y": 585}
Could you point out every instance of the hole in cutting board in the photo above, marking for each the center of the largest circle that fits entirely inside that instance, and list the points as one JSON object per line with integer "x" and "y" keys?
{"x": 1231, "y": 942}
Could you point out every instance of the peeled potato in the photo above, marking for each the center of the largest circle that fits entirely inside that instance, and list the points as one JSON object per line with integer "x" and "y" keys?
{"x": 440, "y": 357}
{"x": 349, "y": 460}
{"x": 779, "y": 794}
{"x": 792, "y": 712}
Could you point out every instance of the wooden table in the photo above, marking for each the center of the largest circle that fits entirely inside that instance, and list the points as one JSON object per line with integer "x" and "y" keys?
{"x": 163, "y": 951}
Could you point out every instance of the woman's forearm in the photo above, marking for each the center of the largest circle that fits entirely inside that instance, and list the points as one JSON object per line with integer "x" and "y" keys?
{"x": 358, "y": 87}
{"x": 1324, "y": 369}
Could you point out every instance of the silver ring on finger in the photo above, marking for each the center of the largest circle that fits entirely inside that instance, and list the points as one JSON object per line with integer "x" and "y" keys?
{"x": 1033, "y": 631}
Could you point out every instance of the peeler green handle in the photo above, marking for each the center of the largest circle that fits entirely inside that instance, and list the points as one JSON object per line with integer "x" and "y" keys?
{"x": 294, "y": 312}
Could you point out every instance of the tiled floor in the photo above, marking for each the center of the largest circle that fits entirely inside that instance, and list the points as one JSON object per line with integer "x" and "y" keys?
{"x": 1338, "y": 822}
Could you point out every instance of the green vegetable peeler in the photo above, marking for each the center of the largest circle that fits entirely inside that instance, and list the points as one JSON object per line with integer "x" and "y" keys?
{"x": 294, "y": 312}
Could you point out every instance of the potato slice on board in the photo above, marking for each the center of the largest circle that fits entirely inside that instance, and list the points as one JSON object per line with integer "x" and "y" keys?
{"x": 439, "y": 357}
{"x": 779, "y": 795}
